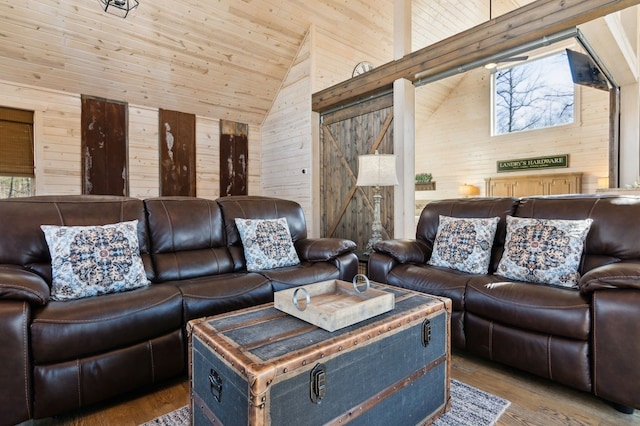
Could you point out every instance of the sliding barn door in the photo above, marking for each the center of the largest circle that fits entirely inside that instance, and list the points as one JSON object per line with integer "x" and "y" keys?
{"x": 347, "y": 210}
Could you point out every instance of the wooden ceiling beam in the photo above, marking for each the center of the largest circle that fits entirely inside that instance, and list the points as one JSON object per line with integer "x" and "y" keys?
{"x": 521, "y": 26}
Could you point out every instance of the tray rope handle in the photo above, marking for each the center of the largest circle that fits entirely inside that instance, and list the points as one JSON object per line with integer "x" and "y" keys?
{"x": 306, "y": 296}
{"x": 357, "y": 280}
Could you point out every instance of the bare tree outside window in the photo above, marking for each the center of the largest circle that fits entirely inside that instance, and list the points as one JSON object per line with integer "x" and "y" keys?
{"x": 534, "y": 95}
{"x": 14, "y": 186}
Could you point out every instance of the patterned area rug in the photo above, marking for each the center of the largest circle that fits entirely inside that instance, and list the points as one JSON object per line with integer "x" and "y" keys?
{"x": 469, "y": 407}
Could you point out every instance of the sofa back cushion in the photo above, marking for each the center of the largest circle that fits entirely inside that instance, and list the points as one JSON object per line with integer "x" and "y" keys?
{"x": 255, "y": 207}
{"x": 546, "y": 251}
{"x": 23, "y": 242}
{"x": 187, "y": 238}
{"x": 612, "y": 236}
{"x": 427, "y": 228}
{"x": 93, "y": 260}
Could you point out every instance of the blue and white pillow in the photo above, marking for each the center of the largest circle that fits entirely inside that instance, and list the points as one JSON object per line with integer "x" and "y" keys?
{"x": 464, "y": 244}
{"x": 267, "y": 243}
{"x": 546, "y": 251}
{"x": 93, "y": 260}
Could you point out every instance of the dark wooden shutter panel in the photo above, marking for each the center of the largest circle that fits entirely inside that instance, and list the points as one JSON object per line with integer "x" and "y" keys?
{"x": 104, "y": 147}
{"x": 177, "y": 153}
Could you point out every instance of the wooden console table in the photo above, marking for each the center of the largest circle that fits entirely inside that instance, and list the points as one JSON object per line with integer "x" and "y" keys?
{"x": 529, "y": 185}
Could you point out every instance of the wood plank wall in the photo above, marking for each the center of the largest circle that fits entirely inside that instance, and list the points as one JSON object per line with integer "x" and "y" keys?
{"x": 328, "y": 59}
{"x": 144, "y": 156}
{"x": 456, "y": 154}
{"x": 287, "y": 139}
{"x": 58, "y": 145}
{"x": 56, "y": 133}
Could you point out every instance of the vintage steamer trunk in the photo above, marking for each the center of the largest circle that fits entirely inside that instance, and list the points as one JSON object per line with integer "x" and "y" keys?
{"x": 260, "y": 366}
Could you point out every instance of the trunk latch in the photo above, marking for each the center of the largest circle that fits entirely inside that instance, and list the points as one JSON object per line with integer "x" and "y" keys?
{"x": 216, "y": 385}
{"x": 426, "y": 332}
{"x": 318, "y": 383}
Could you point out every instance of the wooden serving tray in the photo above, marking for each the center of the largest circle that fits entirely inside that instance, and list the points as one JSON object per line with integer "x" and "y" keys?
{"x": 333, "y": 304}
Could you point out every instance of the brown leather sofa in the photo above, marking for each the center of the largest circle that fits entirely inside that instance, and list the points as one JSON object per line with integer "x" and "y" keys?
{"x": 586, "y": 337}
{"x": 57, "y": 356}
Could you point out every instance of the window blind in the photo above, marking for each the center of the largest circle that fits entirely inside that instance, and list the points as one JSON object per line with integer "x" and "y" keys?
{"x": 16, "y": 142}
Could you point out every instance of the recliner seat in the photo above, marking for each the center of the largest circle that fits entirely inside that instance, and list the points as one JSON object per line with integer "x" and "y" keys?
{"x": 582, "y": 337}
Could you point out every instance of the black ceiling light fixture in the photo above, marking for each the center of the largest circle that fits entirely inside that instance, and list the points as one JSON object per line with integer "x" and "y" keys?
{"x": 119, "y": 8}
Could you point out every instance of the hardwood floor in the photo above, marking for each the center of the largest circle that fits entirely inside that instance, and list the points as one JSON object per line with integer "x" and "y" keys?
{"x": 534, "y": 401}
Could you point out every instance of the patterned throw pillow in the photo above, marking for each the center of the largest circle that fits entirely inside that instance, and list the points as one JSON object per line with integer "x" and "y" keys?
{"x": 93, "y": 260}
{"x": 267, "y": 243}
{"x": 464, "y": 243}
{"x": 544, "y": 251}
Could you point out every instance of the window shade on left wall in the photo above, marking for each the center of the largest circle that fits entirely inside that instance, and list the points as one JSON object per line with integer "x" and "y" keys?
{"x": 16, "y": 142}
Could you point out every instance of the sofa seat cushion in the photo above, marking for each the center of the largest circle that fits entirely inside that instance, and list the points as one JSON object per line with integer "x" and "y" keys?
{"x": 431, "y": 280}
{"x": 78, "y": 383}
{"x": 550, "y": 310}
{"x": 301, "y": 274}
{"x": 560, "y": 359}
{"x": 75, "y": 329}
{"x": 216, "y": 294}
{"x": 438, "y": 281}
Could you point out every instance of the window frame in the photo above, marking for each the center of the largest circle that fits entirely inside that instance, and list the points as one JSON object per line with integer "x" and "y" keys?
{"x": 35, "y": 117}
{"x": 577, "y": 93}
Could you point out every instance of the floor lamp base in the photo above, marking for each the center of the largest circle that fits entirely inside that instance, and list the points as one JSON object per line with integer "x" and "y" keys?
{"x": 376, "y": 227}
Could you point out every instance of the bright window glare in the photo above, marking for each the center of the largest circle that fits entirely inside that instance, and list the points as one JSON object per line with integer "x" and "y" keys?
{"x": 534, "y": 95}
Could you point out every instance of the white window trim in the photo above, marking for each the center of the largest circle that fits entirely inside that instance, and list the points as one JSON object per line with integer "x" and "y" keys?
{"x": 538, "y": 54}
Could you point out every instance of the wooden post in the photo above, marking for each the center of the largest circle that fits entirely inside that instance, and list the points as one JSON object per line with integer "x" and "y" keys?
{"x": 404, "y": 197}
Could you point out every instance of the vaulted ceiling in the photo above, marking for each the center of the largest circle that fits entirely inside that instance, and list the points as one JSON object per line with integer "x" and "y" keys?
{"x": 222, "y": 59}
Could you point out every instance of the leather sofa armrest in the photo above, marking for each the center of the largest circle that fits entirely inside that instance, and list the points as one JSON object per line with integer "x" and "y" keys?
{"x": 616, "y": 275}
{"x": 17, "y": 283}
{"x": 616, "y": 349}
{"x": 323, "y": 249}
{"x": 15, "y": 362}
{"x": 347, "y": 265}
{"x": 379, "y": 266}
{"x": 404, "y": 251}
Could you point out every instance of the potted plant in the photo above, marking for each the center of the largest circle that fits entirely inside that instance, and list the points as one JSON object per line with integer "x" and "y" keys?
{"x": 424, "y": 182}
{"x": 424, "y": 178}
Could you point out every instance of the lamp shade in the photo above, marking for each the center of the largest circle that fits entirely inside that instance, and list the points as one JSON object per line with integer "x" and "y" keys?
{"x": 603, "y": 182}
{"x": 468, "y": 190}
{"x": 377, "y": 170}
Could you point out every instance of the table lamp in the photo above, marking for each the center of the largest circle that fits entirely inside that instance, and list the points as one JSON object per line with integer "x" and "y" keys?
{"x": 376, "y": 170}
{"x": 468, "y": 190}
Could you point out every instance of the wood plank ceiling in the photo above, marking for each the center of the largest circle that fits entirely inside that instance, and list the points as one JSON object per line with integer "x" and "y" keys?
{"x": 221, "y": 59}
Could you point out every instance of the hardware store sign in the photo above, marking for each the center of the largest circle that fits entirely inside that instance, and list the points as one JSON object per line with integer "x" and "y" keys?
{"x": 556, "y": 161}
